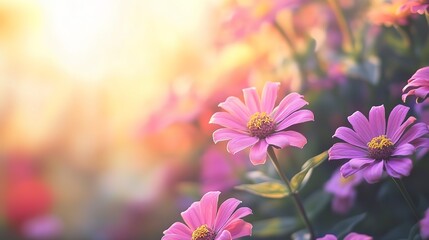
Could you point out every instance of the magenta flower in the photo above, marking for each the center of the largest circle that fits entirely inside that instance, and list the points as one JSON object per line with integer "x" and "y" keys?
{"x": 204, "y": 221}
{"x": 350, "y": 236}
{"x": 373, "y": 147}
{"x": 415, "y": 6}
{"x": 424, "y": 225}
{"x": 257, "y": 124}
{"x": 343, "y": 190}
{"x": 418, "y": 85}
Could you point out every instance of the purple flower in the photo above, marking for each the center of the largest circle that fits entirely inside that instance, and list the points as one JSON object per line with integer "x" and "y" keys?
{"x": 372, "y": 146}
{"x": 257, "y": 124}
{"x": 424, "y": 225}
{"x": 415, "y": 6}
{"x": 418, "y": 85}
{"x": 343, "y": 190}
{"x": 350, "y": 236}
{"x": 204, "y": 221}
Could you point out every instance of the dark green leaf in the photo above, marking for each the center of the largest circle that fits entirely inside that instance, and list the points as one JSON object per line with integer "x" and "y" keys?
{"x": 266, "y": 189}
{"x": 316, "y": 202}
{"x": 344, "y": 227}
{"x": 302, "y": 177}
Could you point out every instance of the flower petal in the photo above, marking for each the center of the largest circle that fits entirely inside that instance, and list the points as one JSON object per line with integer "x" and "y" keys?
{"x": 300, "y": 116}
{"x": 398, "y": 167}
{"x": 377, "y": 120}
{"x": 396, "y": 117}
{"x": 239, "y": 228}
{"x": 258, "y": 153}
{"x": 176, "y": 237}
{"x": 251, "y": 99}
{"x": 208, "y": 205}
{"x": 224, "y": 235}
{"x": 289, "y": 104}
{"x": 361, "y": 126}
{"x": 269, "y": 96}
{"x": 227, "y": 120}
{"x": 404, "y": 150}
{"x": 235, "y": 145}
{"x": 192, "y": 216}
{"x": 345, "y": 151}
{"x": 373, "y": 173}
{"x": 179, "y": 229}
{"x": 225, "y": 211}
{"x": 414, "y": 132}
{"x": 236, "y": 107}
{"x": 348, "y": 135}
{"x": 223, "y": 134}
{"x": 359, "y": 163}
{"x": 346, "y": 170}
{"x": 398, "y": 133}
{"x": 285, "y": 138}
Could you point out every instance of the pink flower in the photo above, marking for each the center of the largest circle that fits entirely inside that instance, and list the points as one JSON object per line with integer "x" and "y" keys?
{"x": 257, "y": 124}
{"x": 350, "y": 236}
{"x": 372, "y": 147}
{"x": 343, "y": 190}
{"x": 418, "y": 85}
{"x": 415, "y": 6}
{"x": 424, "y": 225}
{"x": 204, "y": 221}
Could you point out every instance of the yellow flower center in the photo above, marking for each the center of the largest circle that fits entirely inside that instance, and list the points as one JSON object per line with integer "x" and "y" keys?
{"x": 380, "y": 147}
{"x": 203, "y": 232}
{"x": 261, "y": 125}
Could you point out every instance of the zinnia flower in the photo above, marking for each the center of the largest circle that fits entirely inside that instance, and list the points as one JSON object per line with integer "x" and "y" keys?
{"x": 424, "y": 225}
{"x": 343, "y": 190}
{"x": 204, "y": 221}
{"x": 415, "y": 6}
{"x": 257, "y": 124}
{"x": 372, "y": 146}
{"x": 350, "y": 236}
{"x": 418, "y": 85}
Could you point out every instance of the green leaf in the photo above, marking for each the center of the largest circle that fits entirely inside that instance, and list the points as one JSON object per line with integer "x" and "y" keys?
{"x": 266, "y": 189}
{"x": 302, "y": 177}
{"x": 344, "y": 227}
{"x": 259, "y": 177}
{"x": 316, "y": 202}
{"x": 274, "y": 227}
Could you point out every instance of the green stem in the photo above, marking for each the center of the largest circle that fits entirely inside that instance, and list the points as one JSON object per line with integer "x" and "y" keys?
{"x": 400, "y": 185}
{"x": 343, "y": 25}
{"x": 295, "y": 55}
{"x": 297, "y": 199}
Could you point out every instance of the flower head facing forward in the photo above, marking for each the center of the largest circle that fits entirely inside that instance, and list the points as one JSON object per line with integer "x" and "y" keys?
{"x": 256, "y": 123}
{"x": 373, "y": 146}
{"x": 418, "y": 85}
{"x": 204, "y": 221}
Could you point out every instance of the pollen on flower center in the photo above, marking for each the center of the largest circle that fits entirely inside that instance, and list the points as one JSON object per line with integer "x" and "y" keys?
{"x": 380, "y": 147}
{"x": 203, "y": 232}
{"x": 261, "y": 125}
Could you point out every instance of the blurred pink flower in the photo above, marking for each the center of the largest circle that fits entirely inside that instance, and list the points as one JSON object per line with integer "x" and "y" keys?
{"x": 257, "y": 124}
{"x": 373, "y": 147}
{"x": 424, "y": 225}
{"x": 248, "y": 18}
{"x": 415, "y": 6}
{"x": 343, "y": 190}
{"x": 418, "y": 85}
{"x": 350, "y": 236}
{"x": 205, "y": 221}
{"x": 220, "y": 172}
{"x": 44, "y": 227}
